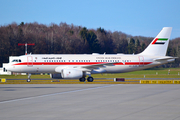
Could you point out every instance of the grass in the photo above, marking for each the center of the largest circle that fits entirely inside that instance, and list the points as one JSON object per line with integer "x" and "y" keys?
{"x": 157, "y": 73}
{"x": 150, "y": 73}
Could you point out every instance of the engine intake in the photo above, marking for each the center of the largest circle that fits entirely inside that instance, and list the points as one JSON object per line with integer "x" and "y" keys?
{"x": 56, "y": 76}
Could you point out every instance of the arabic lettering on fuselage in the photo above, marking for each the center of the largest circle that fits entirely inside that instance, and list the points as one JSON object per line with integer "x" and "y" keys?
{"x": 51, "y": 57}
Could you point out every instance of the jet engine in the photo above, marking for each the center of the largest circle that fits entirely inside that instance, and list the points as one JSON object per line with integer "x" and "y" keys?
{"x": 68, "y": 73}
{"x": 71, "y": 73}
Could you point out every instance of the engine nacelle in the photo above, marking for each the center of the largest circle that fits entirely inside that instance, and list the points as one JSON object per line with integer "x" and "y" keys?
{"x": 71, "y": 73}
{"x": 56, "y": 76}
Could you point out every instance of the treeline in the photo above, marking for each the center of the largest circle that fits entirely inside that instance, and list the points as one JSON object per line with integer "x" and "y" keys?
{"x": 71, "y": 39}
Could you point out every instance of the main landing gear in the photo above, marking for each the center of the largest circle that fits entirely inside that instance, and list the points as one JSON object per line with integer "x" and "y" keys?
{"x": 89, "y": 79}
{"x": 29, "y": 77}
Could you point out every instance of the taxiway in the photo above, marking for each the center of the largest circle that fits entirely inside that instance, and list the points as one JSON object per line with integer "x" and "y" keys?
{"x": 89, "y": 102}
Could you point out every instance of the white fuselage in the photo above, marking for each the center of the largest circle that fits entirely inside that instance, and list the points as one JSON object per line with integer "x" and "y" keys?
{"x": 47, "y": 63}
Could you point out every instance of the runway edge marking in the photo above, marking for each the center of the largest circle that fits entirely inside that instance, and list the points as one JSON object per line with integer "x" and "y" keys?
{"x": 159, "y": 81}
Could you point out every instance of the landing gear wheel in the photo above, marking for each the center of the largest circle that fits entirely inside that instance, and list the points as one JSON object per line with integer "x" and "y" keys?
{"x": 83, "y": 79}
{"x": 90, "y": 79}
{"x": 28, "y": 80}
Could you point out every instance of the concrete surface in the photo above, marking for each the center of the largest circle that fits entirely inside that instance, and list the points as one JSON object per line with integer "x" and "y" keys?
{"x": 89, "y": 102}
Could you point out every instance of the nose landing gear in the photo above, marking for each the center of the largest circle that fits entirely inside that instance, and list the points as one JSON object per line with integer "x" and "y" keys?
{"x": 29, "y": 77}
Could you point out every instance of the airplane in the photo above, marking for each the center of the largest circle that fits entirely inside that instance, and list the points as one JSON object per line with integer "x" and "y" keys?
{"x": 78, "y": 66}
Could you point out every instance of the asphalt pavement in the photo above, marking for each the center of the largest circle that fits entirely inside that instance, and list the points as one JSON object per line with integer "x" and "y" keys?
{"x": 89, "y": 102}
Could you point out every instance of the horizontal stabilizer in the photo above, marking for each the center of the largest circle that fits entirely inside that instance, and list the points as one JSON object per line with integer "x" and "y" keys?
{"x": 165, "y": 58}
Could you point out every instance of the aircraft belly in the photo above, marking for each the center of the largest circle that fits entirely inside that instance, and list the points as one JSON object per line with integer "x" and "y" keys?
{"x": 37, "y": 69}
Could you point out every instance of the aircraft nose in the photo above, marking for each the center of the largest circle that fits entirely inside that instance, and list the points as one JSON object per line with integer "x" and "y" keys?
{"x": 9, "y": 68}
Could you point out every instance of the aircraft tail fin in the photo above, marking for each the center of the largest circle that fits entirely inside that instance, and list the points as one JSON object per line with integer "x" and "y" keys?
{"x": 159, "y": 45}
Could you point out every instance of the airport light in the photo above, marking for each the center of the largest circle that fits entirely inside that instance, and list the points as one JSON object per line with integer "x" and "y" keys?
{"x": 26, "y": 44}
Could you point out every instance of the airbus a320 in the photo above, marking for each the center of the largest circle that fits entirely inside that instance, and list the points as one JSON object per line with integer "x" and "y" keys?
{"x": 70, "y": 66}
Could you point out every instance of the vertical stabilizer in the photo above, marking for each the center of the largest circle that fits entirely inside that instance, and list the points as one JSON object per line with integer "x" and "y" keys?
{"x": 159, "y": 45}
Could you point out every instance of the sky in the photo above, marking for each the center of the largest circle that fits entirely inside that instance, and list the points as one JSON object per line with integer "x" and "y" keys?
{"x": 133, "y": 17}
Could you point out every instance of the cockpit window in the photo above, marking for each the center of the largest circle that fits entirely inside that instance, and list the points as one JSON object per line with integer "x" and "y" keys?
{"x": 16, "y": 60}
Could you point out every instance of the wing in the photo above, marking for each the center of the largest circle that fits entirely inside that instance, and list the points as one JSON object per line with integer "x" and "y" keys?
{"x": 96, "y": 66}
{"x": 87, "y": 68}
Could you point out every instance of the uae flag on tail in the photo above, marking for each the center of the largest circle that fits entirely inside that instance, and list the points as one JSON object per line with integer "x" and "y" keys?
{"x": 160, "y": 41}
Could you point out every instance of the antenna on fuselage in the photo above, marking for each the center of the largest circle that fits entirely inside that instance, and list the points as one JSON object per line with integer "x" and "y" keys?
{"x": 26, "y": 44}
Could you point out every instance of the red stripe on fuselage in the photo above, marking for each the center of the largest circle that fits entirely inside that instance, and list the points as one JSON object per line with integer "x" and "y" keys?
{"x": 81, "y": 63}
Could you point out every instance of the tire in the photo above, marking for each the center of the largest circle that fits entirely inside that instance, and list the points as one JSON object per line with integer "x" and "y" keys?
{"x": 90, "y": 79}
{"x": 28, "y": 80}
{"x": 83, "y": 79}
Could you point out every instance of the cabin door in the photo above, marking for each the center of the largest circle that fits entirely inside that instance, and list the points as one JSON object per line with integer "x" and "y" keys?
{"x": 141, "y": 61}
{"x": 29, "y": 61}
